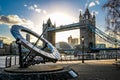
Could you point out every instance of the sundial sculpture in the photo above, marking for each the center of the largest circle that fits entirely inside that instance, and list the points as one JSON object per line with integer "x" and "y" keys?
{"x": 27, "y": 70}
{"x": 28, "y": 59}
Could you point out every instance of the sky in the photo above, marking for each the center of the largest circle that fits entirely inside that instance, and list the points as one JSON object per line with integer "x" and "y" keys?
{"x": 32, "y": 14}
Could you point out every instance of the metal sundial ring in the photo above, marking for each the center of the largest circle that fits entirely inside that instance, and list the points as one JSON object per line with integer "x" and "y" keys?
{"x": 53, "y": 55}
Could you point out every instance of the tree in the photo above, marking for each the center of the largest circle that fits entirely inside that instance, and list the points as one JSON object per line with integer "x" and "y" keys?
{"x": 113, "y": 15}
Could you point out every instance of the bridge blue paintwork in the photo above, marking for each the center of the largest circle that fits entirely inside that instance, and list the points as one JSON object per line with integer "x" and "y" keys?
{"x": 105, "y": 49}
{"x": 94, "y": 49}
{"x": 66, "y": 27}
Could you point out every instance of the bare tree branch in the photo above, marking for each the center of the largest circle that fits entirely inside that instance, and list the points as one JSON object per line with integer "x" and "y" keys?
{"x": 113, "y": 15}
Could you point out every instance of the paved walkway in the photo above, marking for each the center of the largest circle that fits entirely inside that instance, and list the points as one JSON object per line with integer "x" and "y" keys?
{"x": 94, "y": 69}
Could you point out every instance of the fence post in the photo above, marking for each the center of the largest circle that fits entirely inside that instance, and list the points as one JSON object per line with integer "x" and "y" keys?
{"x": 15, "y": 60}
{"x": 8, "y": 62}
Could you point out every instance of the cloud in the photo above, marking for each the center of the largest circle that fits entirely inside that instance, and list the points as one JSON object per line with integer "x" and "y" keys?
{"x": 80, "y": 10}
{"x": 35, "y": 5}
{"x": 31, "y": 7}
{"x": 3, "y": 37}
{"x": 25, "y": 5}
{"x": 6, "y": 39}
{"x": 91, "y": 4}
{"x": 15, "y": 20}
{"x": 95, "y": 12}
{"x": 97, "y": 2}
{"x": 44, "y": 11}
{"x": 36, "y": 9}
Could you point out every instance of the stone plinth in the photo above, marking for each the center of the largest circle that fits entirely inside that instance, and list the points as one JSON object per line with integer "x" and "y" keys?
{"x": 38, "y": 72}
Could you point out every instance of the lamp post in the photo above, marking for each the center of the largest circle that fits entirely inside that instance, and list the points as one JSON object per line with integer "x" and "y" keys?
{"x": 116, "y": 50}
{"x": 82, "y": 38}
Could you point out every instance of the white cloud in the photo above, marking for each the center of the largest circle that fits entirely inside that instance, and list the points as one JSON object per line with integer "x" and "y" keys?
{"x": 80, "y": 10}
{"x": 38, "y": 10}
{"x": 95, "y": 12}
{"x": 31, "y": 7}
{"x": 44, "y": 11}
{"x": 25, "y": 5}
{"x": 15, "y": 20}
{"x": 91, "y": 4}
{"x": 35, "y": 6}
{"x": 97, "y": 2}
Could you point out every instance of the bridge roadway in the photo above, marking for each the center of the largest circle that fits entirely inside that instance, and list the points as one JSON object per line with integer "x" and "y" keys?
{"x": 66, "y": 27}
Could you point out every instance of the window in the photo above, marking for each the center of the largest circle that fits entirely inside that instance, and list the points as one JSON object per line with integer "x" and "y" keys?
{"x": 86, "y": 16}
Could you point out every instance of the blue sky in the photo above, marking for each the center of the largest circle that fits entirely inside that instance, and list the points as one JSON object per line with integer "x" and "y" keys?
{"x": 32, "y": 13}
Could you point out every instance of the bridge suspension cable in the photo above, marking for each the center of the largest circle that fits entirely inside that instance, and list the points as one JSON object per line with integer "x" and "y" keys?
{"x": 103, "y": 35}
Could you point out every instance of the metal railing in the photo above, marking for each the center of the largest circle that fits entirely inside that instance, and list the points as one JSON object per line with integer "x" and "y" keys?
{"x": 8, "y": 61}
{"x": 91, "y": 56}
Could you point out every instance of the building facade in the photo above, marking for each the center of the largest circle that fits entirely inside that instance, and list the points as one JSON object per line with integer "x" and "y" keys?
{"x": 5, "y": 50}
{"x": 1, "y": 43}
{"x": 28, "y": 37}
{"x": 72, "y": 41}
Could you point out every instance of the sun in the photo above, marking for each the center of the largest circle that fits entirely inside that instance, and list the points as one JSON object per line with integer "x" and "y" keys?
{"x": 61, "y": 18}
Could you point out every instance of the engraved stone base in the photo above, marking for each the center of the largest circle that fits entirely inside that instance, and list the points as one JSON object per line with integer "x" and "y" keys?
{"x": 35, "y": 69}
{"x": 39, "y": 72}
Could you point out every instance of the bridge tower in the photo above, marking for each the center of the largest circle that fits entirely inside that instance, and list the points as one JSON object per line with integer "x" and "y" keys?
{"x": 49, "y": 35}
{"x": 89, "y": 36}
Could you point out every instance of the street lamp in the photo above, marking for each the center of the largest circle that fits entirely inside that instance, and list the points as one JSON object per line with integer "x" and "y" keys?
{"x": 82, "y": 38}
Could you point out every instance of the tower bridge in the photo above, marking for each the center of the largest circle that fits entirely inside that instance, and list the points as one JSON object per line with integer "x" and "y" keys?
{"x": 84, "y": 20}
{"x": 88, "y": 29}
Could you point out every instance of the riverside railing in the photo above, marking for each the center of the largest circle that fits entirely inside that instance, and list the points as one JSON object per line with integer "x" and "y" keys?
{"x": 8, "y": 61}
